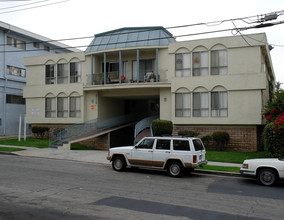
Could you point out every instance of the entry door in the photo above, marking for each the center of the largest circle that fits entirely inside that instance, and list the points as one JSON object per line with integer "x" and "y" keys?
{"x": 142, "y": 154}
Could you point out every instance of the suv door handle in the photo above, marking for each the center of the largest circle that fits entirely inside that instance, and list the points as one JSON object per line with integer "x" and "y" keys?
{"x": 150, "y": 150}
{"x": 168, "y": 152}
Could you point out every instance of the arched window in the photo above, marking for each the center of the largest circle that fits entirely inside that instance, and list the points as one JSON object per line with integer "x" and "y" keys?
{"x": 75, "y": 70}
{"x": 50, "y": 106}
{"x": 62, "y": 106}
{"x": 62, "y": 72}
{"x": 200, "y": 62}
{"x": 50, "y": 77}
{"x": 219, "y": 60}
{"x": 219, "y": 102}
{"x": 182, "y": 63}
{"x": 182, "y": 103}
{"x": 200, "y": 102}
{"x": 75, "y": 105}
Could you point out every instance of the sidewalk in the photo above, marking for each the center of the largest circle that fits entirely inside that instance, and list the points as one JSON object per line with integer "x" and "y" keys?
{"x": 89, "y": 156}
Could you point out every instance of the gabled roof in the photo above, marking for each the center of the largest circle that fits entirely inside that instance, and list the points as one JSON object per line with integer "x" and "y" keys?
{"x": 130, "y": 37}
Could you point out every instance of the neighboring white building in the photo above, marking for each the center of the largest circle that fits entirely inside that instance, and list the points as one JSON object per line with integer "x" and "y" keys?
{"x": 216, "y": 84}
{"x": 15, "y": 44}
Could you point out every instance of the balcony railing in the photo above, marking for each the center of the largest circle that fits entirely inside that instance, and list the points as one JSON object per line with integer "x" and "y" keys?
{"x": 113, "y": 78}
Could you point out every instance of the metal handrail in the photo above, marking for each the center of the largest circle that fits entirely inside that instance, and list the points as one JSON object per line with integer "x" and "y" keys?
{"x": 143, "y": 124}
{"x": 62, "y": 135}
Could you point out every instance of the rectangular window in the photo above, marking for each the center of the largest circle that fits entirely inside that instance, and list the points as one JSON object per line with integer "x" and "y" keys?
{"x": 75, "y": 72}
{"x": 163, "y": 144}
{"x": 16, "y": 43}
{"x": 36, "y": 44}
{"x": 146, "y": 144}
{"x": 219, "y": 62}
{"x": 181, "y": 145}
{"x": 15, "y": 99}
{"x": 62, "y": 107}
{"x": 46, "y": 48}
{"x": 50, "y": 107}
{"x": 182, "y": 105}
{"x": 62, "y": 73}
{"x": 75, "y": 107}
{"x": 200, "y": 62}
{"x": 200, "y": 104}
{"x": 182, "y": 64}
{"x": 197, "y": 145}
{"x": 49, "y": 74}
{"x": 219, "y": 104}
{"x": 15, "y": 71}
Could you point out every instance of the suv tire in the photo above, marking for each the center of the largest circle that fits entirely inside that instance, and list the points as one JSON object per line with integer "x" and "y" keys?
{"x": 175, "y": 169}
{"x": 118, "y": 163}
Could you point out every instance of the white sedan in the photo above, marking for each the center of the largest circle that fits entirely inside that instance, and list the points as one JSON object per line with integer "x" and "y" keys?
{"x": 268, "y": 171}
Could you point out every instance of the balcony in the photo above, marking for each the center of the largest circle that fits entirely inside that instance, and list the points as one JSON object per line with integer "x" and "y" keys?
{"x": 113, "y": 78}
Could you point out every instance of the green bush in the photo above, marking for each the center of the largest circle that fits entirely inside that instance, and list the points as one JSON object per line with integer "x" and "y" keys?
{"x": 188, "y": 133}
{"x": 162, "y": 127}
{"x": 39, "y": 131}
{"x": 274, "y": 140}
{"x": 221, "y": 138}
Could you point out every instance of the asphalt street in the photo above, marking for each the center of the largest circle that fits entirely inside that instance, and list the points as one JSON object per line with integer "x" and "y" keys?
{"x": 41, "y": 188}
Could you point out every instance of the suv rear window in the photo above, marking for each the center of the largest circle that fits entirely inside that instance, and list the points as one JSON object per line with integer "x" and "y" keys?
{"x": 197, "y": 144}
{"x": 181, "y": 145}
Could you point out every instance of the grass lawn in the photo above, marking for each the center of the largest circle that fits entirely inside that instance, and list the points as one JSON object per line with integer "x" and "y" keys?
{"x": 10, "y": 149}
{"x": 219, "y": 168}
{"x": 233, "y": 156}
{"x": 30, "y": 142}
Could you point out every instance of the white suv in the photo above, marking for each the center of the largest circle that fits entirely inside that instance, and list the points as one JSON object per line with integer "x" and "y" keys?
{"x": 173, "y": 154}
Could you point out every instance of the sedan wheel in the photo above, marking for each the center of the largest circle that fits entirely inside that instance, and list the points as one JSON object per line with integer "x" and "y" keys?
{"x": 175, "y": 169}
{"x": 118, "y": 164}
{"x": 267, "y": 177}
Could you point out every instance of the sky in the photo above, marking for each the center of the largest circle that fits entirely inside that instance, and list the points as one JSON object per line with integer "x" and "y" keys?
{"x": 64, "y": 19}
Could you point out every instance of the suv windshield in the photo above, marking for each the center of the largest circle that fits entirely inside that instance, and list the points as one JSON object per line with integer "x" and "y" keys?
{"x": 197, "y": 144}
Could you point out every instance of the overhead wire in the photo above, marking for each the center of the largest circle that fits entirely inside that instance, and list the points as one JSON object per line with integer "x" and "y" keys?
{"x": 39, "y": 6}
{"x": 22, "y": 5}
{"x": 238, "y": 30}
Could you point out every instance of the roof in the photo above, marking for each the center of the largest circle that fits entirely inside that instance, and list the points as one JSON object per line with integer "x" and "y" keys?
{"x": 130, "y": 37}
{"x": 37, "y": 37}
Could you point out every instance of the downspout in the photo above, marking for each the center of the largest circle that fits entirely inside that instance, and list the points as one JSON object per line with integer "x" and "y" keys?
{"x": 104, "y": 68}
{"x": 157, "y": 56}
{"x": 5, "y": 86}
{"x": 92, "y": 69}
{"x": 138, "y": 66}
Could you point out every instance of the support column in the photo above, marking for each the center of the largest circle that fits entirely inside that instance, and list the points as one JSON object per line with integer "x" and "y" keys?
{"x": 92, "y": 69}
{"x": 137, "y": 65}
{"x": 120, "y": 67}
{"x": 104, "y": 67}
{"x": 157, "y": 56}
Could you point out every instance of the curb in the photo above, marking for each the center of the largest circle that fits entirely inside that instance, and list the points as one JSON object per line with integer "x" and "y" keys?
{"x": 8, "y": 153}
{"x": 221, "y": 173}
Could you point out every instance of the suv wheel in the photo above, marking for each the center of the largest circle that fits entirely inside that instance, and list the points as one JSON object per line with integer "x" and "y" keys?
{"x": 267, "y": 177}
{"x": 118, "y": 163}
{"x": 175, "y": 169}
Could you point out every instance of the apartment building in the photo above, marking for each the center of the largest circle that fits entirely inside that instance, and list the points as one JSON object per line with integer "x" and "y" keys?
{"x": 15, "y": 44}
{"x": 206, "y": 85}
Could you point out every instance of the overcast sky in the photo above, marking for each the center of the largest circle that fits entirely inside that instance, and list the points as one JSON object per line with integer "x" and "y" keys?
{"x": 61, "y": 19}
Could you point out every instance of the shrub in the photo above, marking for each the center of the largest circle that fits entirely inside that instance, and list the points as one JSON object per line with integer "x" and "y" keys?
{"x": 162, "y": 127}
{"x": 188, "y": 133}
{"x": 39, "y": 131}
{"x": 273, "y": 135}
{"x": 221, "y": 138}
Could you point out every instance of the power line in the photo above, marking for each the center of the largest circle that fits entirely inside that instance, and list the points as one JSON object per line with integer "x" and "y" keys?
{"x": 23, "y": 9}
{"x": 18, "y": 6}
{"x": 159, "y": 38}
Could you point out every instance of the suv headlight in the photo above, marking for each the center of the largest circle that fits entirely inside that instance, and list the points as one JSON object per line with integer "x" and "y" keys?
{"x": 245, "y": 166}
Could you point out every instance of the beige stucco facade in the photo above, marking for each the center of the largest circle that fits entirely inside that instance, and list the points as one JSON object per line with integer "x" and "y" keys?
{"x": 249, "y": 74}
